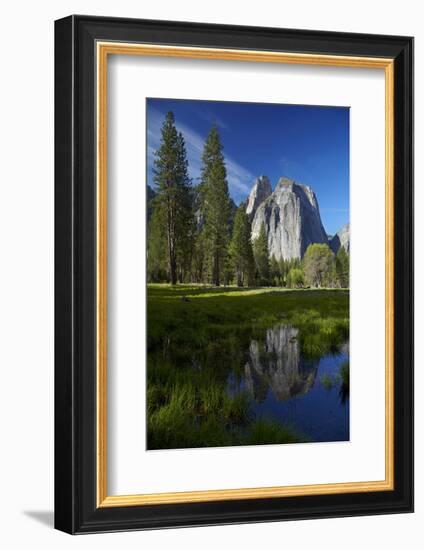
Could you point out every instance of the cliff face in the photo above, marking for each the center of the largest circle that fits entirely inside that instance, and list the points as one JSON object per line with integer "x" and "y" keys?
{"x": 341, "y": 239}
{"x": 261, "y": 190}
{"x": 292, "y": 220}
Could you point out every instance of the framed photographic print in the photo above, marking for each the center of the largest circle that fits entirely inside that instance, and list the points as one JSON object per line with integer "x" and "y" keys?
{"x": 234, "y": 269}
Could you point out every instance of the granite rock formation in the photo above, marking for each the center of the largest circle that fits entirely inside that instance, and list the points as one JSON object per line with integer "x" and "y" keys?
{"x": 291, "y": 217}
{"x": 341, "y": 239}
{"x": 261, "y": 190}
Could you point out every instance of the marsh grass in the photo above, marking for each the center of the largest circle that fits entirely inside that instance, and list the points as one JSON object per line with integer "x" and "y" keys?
{"x": 213, "y": 420}
{"x": 263, "y": 432}
{"x": 341, "y": 379}
{"x": 197, "y": 335}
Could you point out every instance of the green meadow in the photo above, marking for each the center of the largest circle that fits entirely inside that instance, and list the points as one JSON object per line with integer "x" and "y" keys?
{"x": 198, "y": 335}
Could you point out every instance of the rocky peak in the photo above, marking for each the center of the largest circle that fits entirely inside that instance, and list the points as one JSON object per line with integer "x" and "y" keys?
{"x": 341, "y": 239}
{"x": 291, "y": 218}
{"x": 261, "y": 190}
{"x": 286, "y": 185}
{"x": 283, "y": 181}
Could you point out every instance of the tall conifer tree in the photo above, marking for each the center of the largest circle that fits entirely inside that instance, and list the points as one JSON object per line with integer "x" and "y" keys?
{"x": 157, "y": 264}
{"x": 185, "y": 215}
{"x": 215, "y": 206}
{"x": 173, "y": 191}
{"x": 241, "y": 248}
{"x": 261, "y": 254}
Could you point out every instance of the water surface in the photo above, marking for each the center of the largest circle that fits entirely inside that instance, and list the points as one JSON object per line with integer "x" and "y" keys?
{"x": 283, "y": 386}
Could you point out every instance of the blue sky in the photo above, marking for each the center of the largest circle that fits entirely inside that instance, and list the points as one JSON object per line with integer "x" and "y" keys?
{"x": 309, "y": 144}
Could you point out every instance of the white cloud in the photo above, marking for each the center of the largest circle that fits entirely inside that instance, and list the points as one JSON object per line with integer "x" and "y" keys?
{"x": 239, "y": 178}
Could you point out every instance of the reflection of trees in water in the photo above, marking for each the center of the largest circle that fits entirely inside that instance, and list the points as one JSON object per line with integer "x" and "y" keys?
{"x": 276, "y": 364}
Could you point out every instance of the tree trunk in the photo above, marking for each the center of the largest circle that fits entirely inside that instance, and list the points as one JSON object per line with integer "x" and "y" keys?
{"x": 172, "y": 262}
{"x": 216, "y": 277}
{"x": 239, "y": 277}
{"x": 173, "y": 270}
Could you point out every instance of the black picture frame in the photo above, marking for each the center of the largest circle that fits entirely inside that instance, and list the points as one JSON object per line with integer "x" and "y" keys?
{"x": 76, "y": 510}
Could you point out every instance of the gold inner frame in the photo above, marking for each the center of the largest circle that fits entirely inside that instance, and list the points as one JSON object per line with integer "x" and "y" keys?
{"x": 104, "y": 49}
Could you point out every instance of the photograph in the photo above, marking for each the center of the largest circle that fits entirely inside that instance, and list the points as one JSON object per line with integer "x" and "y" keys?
{"x": 233, "y": 268}
{"x": 248, "y": 245}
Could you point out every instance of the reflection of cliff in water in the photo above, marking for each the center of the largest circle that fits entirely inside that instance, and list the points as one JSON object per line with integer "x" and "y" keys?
{"x": 276, "y": 364}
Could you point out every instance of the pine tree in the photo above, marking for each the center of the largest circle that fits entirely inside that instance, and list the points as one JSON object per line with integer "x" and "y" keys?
{"x": 186, "y": 223}
{"x": 199, "y": 260}
{"x": 215, "y": 206}
{"x": 342, "y": 267}
{"x": 156, "y": 247}
{"x": 173, "y": 188}
{"x": 241, "y": 248}
{"x": 261, "y": 255}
